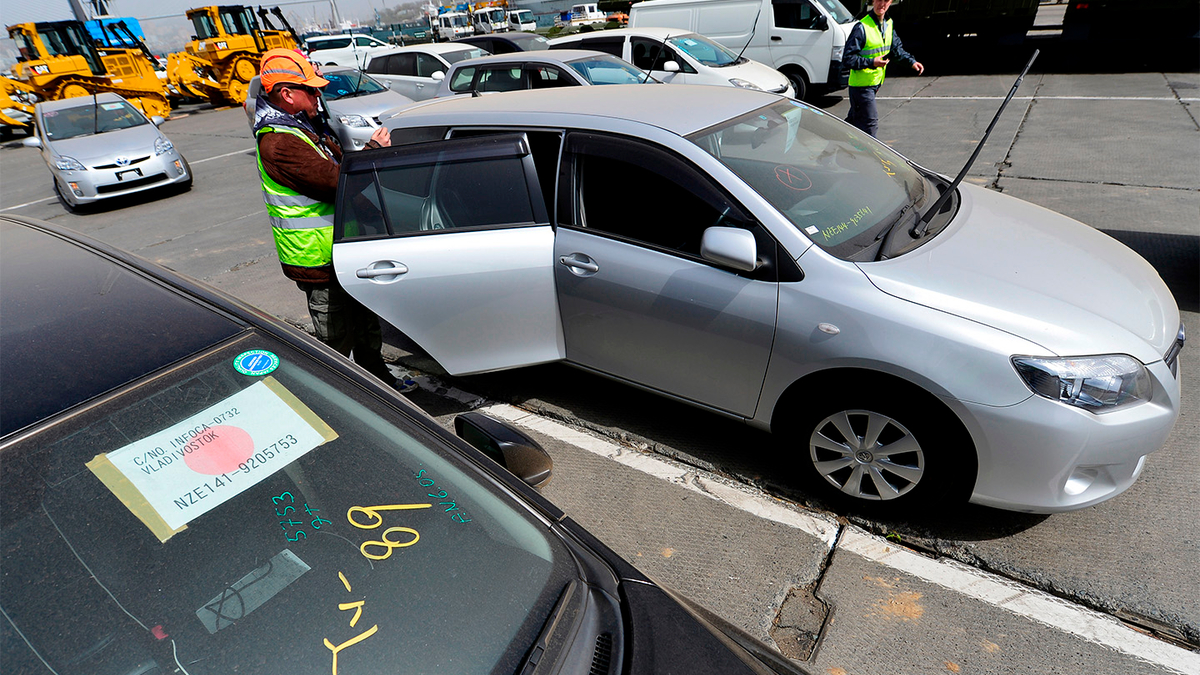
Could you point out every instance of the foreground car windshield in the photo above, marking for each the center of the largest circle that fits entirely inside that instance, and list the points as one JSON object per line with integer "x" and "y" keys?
{"x": 248, "y": 513}
{"x": 343, "y": 85}
{"x": 704, "y": 50}
{"x": 87, "y": 119}
{"x": 608, "y": 70}
{"x": 835, "y": 183}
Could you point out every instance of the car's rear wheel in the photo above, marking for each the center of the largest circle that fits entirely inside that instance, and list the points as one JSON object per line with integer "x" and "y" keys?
{"x": 890, "y": 447}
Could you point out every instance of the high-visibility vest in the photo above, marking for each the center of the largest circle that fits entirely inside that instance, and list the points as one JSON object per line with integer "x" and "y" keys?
{"x": 303, "y": 226}
{"x": 877, "y": 43}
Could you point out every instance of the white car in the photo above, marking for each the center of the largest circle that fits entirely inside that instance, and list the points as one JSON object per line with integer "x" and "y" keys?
{"x": 417, "y": 71}
{"x": 343, "y": 50}
{"x": 674, "y": 56}
{"x": 778, "y": 267}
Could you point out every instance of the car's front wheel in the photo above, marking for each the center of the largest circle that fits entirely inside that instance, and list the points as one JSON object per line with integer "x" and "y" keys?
{"x": 883, "y": 448}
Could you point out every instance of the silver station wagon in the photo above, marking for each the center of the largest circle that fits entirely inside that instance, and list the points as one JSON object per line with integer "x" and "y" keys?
{"x": 759, "y": 258}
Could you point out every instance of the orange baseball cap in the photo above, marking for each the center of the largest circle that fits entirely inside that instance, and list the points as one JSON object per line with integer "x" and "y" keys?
{"x": 285, "y": 65}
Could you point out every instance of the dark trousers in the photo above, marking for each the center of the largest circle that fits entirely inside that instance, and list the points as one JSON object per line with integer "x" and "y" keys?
{"x": 343, "y": 323}
{"x": 862, "y": 109}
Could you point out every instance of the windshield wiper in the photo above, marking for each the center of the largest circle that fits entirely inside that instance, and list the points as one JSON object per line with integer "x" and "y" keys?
{"x": 919, "y": 231}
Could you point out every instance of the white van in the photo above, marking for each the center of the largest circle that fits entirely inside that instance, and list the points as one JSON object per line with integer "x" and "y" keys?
{"x": 521, "y": 20}
{"x": 803, "y": 39}
{"x": 680, "y": 57}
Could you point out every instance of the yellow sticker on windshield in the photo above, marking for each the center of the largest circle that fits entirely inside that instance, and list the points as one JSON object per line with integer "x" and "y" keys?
{"x": 182, "y": 472}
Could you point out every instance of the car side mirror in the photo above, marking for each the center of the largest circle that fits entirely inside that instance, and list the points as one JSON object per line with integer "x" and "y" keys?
{"x": 438, "y": 76}
{"x": 157, "y": 120}
{"x": 821, "y": 23}
{"x": 671, "y": 67}
{"x": 731, "y": 247}
{"x": 32, "y": 142}
{"x": 510, "y": 448}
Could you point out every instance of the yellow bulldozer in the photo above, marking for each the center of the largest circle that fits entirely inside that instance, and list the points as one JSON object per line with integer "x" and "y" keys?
{"x": 58, "y": 59}
{"x": 223, "y": 56}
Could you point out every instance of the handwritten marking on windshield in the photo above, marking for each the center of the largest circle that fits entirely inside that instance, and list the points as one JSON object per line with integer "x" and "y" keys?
{"x": 384, "y": 542}
{"x": 834, "y": 230}
{"x": 792, "y": 178}
{"x": 357, "y": 606}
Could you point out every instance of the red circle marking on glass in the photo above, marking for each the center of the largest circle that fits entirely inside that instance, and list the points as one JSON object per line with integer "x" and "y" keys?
{"x": 218, "y": 450}
{"x": 792, "y": 177}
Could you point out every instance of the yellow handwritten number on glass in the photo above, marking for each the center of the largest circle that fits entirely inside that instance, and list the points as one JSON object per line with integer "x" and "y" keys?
{"x": 388, "y": 543}
{"x": 373, "y": 512}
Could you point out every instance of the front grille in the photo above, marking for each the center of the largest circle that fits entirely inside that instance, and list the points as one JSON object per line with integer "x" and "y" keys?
{"x": 1172, "y": 356}
{"x": 602, "y": 656}
{"x": 130, "y": 184}
{"x": 118, "y": 166}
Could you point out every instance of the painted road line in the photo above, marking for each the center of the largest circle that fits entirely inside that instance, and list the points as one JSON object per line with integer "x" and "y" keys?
{"x": 39, "y": 201}
{"x": 1083, "y": 623}
{"x": 1042, "y": 607}
{"x": 228, "y": 154}
{"x": 735, "y": 495}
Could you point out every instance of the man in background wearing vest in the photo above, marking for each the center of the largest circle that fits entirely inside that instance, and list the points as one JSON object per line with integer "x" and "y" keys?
{"x": 871, "y": 43}
{"x": 298, "y": 163}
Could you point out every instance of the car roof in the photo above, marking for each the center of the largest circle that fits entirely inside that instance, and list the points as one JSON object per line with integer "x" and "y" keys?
{"x": 680, "y": 108}
{"x": 77, "y": 323}
{"x": 80, "y": 101}
{"x": 558, "y": 56}
{"x": 649, "y": 31}
{"x": 433, "y": 47}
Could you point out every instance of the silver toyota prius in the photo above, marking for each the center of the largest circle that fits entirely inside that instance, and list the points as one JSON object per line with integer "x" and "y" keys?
{"x": 761, "y": 259}
{"x": 100, "y": 146}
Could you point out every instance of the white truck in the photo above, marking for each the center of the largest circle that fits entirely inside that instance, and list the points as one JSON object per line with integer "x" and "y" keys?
{"x": 453, "y": 25}
{"x": 521, "y": 20}
{"x": 489, "y": 20}
{"x": 802, "y": 39}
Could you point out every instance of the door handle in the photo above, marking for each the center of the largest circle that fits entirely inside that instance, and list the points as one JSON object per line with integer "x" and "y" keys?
{"x": 573, "y": 261}
{"x": 371, "y": 272}
{"x": 776, "y": 38}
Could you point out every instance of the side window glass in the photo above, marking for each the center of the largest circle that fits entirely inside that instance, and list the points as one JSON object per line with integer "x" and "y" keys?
{"x": 455, "y": 195}
{"x": 684, "y": 202}
{"x": 378, "y": 65}
{"x": 502, "y": 78}
{"x": 403, "y": 64}
{"x": 794, "y": 14}
{"x": 545, "y": 77}
{"x": 545, "y": 147}
{"x": 361, "y": 212}
{"x": 364, "y": 41}
{"x": 428, "y": 65}
{"x": 613, "y": 46}
{"x": 461, "y": 81}
{"x": 652, "y": 55}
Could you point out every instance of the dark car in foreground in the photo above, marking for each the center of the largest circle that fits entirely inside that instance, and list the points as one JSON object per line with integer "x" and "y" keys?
{"x": 190, "y": 486}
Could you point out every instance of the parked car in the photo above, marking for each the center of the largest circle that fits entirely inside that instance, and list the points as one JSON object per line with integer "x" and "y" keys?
{"x": 156, "y": 432}
{"x": 772, "y": 271}
{"x": 100, "y": 147}
{"x": 804, "y": 39}
{"x": 417, "y": 71}
{"x": 352, "y": 102}
{"x": 521, "y": 20}
{"x": 343, "y": 50}
{"x": 539, "y": 70}
{"x": 506, "y": 43}
{"x": 678, "y": 57}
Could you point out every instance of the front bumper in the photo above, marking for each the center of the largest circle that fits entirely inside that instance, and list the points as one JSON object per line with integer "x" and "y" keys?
{"x": 107, "y": 181}
{"x": 1042, "y": 456}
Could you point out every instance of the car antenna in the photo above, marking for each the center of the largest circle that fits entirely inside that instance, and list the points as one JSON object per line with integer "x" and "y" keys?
{"x": 654, "y": 59}
{"x": 95, "y": 112}
{"x": 753, "y": 30}
{"x": 923, "y": 222}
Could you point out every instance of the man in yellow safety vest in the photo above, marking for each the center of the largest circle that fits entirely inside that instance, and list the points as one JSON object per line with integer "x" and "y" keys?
{"x": 871, "y": 46}
{"x": 298, "y": 163}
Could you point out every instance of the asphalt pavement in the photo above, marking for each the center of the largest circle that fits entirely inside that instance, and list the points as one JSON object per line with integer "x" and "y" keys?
{"x": 709, "y": 506}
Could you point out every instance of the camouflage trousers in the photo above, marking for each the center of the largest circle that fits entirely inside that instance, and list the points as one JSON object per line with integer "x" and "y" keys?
{"x": 343, "y": 323}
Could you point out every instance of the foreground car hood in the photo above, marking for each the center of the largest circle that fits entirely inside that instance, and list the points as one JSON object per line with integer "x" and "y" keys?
{"x": 102, "y": 148}
{"x": 1039, "y": 275}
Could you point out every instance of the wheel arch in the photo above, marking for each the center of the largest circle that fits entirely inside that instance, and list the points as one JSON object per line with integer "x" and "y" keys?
{"x": 794, "y": 70}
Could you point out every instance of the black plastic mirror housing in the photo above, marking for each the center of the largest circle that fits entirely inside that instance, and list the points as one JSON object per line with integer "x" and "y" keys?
{"x": 509, "y": 447}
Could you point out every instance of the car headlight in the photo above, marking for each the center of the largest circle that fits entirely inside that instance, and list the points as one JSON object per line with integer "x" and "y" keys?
{"x": 65, "y": 163}
{"x": 357, "y": 121}
{"x": 739, "y": 82}
{"x": 162, "y": 145}
{"x": 1097, "y": 384}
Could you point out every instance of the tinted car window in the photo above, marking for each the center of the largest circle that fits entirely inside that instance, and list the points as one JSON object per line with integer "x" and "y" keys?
{"x": 427, "y": 65}
{"x": 502, "y": 78}
{"x": 319, "y": 45}
{"x": 281, "y": 522}
{"x": 403, "y": 64}
{"x": 378, "y": 65}
{"x": 547, "y": 77}
{"x": 608, "y": 45}
{"x": 794, "y": 14}
{"x": 653, "y": 55}
{"x": 684, "y": 202}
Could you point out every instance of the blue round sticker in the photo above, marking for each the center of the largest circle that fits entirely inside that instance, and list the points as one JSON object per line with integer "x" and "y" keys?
{"x": 255, "y": 362}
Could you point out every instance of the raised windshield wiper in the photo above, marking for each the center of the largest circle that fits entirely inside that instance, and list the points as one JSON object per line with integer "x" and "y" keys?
{"x": 919, "y": 231}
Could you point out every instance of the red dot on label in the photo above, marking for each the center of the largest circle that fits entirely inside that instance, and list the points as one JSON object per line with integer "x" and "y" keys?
{"x": 218, "y": 450}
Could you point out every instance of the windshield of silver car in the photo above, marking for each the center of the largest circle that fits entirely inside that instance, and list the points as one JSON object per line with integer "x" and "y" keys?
{"x": 86, "y": 119}
{"x": 250, "y": 512}
{"x": 838, "y": 185}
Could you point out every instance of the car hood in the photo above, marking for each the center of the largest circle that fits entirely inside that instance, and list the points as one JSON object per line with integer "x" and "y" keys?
{"x": 766, "y": 77}
{"x": 102, "y": 148}
{"x": 1039, "y": 275}
{"x": 369, "y": 105}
